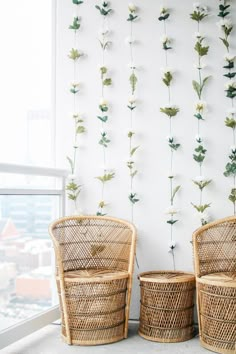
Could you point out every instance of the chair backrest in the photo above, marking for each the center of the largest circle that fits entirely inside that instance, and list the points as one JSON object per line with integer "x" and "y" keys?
{"x": 93, "y": 242}
{"x": 214, "y": 247}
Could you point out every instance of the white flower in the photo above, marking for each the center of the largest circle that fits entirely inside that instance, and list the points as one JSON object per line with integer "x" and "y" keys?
{"x": 198, "y": 35}
{"x": 71, "y": 176}
{"x": 103, "y": 32}
{"x": 171, "y": 174}
{"x": 233, "y": 149}
{"x": 199, "y": 179}
{"x": 196, "y": 5}
{"x": 204, "y": 217}
{"x": 225, "y": 23}
{"x": 103, "y": 102}
{"x": 171, "y": 245}
{"x": 231, "y": 110}
{"x": 164, "y": 39}
{"x": 132, "y": 8}
{"x": 74, "y": 84}
{"x": 132, "y": 99}
{"x": 199, "y": 66}
{"x": 130, "y": 40}
{"x": 172, "y": 211}
{"x": 200, "y": 106}
{"x": 198, "y": 139}
{"x": 132, "y": 66}
{"x": 103, "y": 132}
{"x": 229, "y": 57}
{"x": 163, "y": 10}
{"x": 166, "y": 70}
{"x": 230, "y": 85}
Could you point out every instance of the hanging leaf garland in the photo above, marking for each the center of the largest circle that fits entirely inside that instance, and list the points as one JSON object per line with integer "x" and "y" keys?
{"x": 201, "y": 48}
{"x": 170, "y": 111}
{"x": 104, "y": 140}
{"x": 73, "y": 188}
{"x": 133, "y": 80}
{"x": 226, "y": 27}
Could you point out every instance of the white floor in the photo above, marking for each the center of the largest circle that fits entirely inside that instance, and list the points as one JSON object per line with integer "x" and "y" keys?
{"x": 48, "y": 341}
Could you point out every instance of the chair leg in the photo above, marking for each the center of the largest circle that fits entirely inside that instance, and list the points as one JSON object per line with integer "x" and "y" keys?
{"x": 127, "y": 308}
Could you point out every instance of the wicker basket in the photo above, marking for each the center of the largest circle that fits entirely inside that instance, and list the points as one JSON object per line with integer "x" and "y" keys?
{"x": 166, "y": 312}
{"x": 94, "y": 277}
{"x": 215, "y": 268}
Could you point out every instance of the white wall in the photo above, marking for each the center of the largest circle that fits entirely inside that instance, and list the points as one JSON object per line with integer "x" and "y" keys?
{"x": 151, "y": 126}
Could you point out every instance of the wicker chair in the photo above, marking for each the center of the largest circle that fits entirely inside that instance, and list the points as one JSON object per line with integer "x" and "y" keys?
{"x": 94, "y": 268}
{"x": 215, "y": 268}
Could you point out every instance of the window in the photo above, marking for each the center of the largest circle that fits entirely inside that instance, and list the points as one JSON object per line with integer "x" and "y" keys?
{"x": 30, "y": 197}
{"x": 26, "y": 82}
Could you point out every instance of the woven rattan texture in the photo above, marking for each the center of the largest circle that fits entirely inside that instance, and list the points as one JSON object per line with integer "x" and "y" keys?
{"x": 166, "y": 312}
{"x": 217, "y": 248}
{"x": 94, "y": 273}
{"x": 218, "y": 316}
{"x": 93, "y": 243}
{"x": 215, "y": 268}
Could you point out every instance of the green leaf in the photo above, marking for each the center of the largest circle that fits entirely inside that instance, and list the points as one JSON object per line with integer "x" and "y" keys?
{"x": 199, "y": 158}
{"x": 200, "y": 149}
{"x": 230, "y": 169}
{"x": 71, "y": 163}
{"x": 232, "y": 196}
{"x": 103, "y": 119}
{"x": 230, "y": 122}
{"x": 133, "y": 173}
{"x": 230, "y": 75}
{"x": 197, "y": 88}
{"x": 107, "y": 82}
{"x": 77, "y": 2}
{"x": 174, "y": 146}
{"x": 200, "y": 49}
{"x": 106, "y": 177}
{"x": 167, "y": 78}
{"x": 132, "y": 17}
{"x": 198, "y": 116}
{"x": 201, "y": 208}
{"x": 133, "y": 199}
{"x": 74, "y": 54}
{"x": 80, "y": 129}
{"x": 172, "y": 222}
{"x": 198, "y": 16}
{"x": 133, "y": 150}
{"x": 175, "y": 190}
{"x": 170, "y": 111}
{"x": 75, "y": 25}
{"x": 225, "y": 42}
{"x": 133, "y": 81}
{"x": 202, "y": 184}
{"x": 131, "y": 107}
{"x": 164, "y": 17}
{"x": 103, "y": 70}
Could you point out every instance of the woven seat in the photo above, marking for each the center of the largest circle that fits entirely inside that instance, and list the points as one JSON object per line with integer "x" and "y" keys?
{"x": 94, "y": 268}
{"x": 215, "y": 268}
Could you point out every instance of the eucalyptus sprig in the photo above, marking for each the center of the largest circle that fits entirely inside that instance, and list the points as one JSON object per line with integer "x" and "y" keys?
{"x": 132, "y": 12}
{"x": 77, "y": 2}
{"x": 230, "y": 168}
{"x": 164, "y": 14}
{"x": 75, "y": 24}
{"x": 104, "y": 8}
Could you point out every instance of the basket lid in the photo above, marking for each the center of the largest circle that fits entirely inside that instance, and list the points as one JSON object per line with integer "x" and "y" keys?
{"x": 166, "y": 276}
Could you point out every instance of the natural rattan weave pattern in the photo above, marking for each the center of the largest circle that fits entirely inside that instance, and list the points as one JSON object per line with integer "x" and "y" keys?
{"x": 166, "y": 312}
{"x": 94, "y": 257}
{"x": 215, "y": 267}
